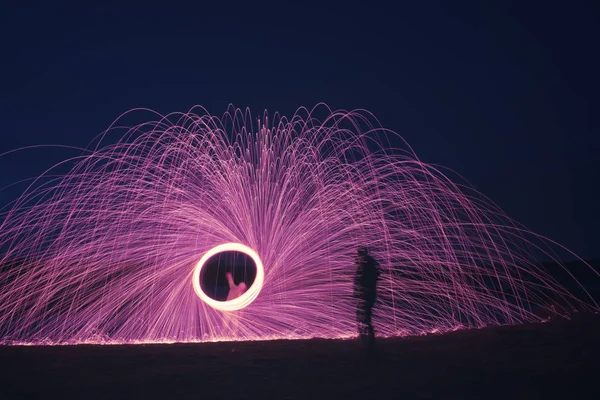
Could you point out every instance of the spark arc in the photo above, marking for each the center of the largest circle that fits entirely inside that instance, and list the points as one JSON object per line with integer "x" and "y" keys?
{"x": 108, "y": 251}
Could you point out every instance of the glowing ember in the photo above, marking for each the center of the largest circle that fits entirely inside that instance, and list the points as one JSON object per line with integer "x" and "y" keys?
{"x": 108, "y": 253}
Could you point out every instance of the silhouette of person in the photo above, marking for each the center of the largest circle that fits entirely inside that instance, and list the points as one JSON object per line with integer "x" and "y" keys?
{"x": 365, "y": 291}
{"x": 235, "y": 291}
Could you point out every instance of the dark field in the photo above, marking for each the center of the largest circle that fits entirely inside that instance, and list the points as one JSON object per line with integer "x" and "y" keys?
{"x": 558, "y": 359}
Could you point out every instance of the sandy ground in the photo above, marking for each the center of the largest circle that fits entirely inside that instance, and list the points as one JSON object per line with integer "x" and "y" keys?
{"x": 558, "y": 359}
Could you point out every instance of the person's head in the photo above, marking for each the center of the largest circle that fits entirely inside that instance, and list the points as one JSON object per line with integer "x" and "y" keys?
{"x": 362, "y": 251}
{"x": 362, "y": 254}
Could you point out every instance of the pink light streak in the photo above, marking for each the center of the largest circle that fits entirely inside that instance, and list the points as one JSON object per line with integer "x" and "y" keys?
{"x": 111, "y": 252}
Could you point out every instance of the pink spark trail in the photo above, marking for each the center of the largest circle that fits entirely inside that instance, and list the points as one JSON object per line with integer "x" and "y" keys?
{"x": 110, "y": 252}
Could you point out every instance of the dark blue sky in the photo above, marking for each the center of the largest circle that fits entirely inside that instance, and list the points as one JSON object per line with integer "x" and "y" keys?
{"x": 504, "y": 94}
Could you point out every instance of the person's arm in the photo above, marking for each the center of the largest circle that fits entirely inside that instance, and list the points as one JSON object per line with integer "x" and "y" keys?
{"x": 358, "y": 282}
{"x": 230, "y": 280}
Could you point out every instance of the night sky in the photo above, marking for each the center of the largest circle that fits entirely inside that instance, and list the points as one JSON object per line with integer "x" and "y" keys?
{"x": 506, "y": 95}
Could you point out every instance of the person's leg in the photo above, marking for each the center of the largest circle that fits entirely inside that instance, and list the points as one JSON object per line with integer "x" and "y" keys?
{"x": 369, "y": 331}
{"x": 368, "y": 320}
{"x": 362, "y": 320}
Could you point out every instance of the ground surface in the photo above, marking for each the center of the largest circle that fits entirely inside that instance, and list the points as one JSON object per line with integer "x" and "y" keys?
{"x": 558, "y": 359}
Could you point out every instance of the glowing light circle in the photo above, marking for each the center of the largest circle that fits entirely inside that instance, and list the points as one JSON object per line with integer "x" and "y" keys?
{"x": 245, "y": 299}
